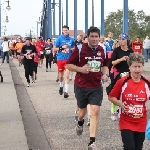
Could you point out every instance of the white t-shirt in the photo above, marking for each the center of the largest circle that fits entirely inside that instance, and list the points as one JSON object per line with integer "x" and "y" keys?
{"x": 5, "y": 46}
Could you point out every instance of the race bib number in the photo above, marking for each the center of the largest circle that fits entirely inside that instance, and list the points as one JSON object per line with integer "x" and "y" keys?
{"x": 137, "y": 47}
{"x": 95, "y": 65}
{"x": 136, "y": 111}
{"x": 41, "y": 52}
{"x": 123, "y": 74}
{"x": 48, "y": 51}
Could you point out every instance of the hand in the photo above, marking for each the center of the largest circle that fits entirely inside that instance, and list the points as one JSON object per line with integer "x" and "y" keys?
{"x": 124, "y": 58}
{"x": 85, "y": 69}
{"x": 124, "y": 107}
{"x": 64, "y": 46}
{"x": 65, "y": 50}
{"x": 104, "y": 78}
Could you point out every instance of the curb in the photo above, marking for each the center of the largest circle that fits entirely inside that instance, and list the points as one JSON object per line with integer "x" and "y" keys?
{"x": 36, "y": 137}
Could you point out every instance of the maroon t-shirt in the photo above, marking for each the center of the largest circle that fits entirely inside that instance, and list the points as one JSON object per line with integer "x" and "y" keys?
{"x": 88, "y": 56}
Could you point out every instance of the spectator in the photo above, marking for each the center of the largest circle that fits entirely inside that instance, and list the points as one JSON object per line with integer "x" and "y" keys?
{"x": 146, "y": 47}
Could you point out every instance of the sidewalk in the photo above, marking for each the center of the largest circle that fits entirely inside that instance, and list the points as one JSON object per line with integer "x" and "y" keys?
{"x": 147, "y": 66}
{"x": 11, "y": 125}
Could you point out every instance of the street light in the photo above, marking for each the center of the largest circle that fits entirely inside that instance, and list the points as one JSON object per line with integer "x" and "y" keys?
{"x": 6, "y": 19}
{"x": 53, "y": 11}
{"x": 8, "y": 6}
{"x": 38, "y": 22}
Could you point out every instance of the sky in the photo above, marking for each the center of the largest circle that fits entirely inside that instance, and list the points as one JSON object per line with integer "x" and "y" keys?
{"x": 24, "y": 13}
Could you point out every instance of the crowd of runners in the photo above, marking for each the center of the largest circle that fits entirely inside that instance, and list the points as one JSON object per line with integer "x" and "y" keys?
{"x": 93, "y": 59}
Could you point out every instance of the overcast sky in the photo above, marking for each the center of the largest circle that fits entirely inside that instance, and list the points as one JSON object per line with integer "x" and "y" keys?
{"x": 24, "y": 13}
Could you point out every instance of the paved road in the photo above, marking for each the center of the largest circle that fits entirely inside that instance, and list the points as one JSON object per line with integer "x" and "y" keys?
{"x": 56, "y": 115}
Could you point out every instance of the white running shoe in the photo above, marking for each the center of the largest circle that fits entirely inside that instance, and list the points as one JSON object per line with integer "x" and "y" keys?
{"x": 113, "y": 116}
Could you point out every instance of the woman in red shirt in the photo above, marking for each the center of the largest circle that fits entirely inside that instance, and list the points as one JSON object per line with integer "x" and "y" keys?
{"x": 130, "y": 93}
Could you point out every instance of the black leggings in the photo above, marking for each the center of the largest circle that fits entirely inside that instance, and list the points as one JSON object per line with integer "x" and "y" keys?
{"x": 49, "y": 59}
{"x": 28, "y": 66}
{"x": 35, "y": 65}
{"x": 132, "y": 140}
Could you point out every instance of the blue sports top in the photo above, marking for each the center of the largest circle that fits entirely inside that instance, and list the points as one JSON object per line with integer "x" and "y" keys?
{"x": 64, "y": 40}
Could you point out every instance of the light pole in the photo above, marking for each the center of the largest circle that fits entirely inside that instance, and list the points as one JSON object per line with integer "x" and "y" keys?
{"x": 38, "y": 22}
{"x": 8, "y": 8}
{"x": 92, "y": 12}
{"x": 53, "y": 12}
{"x": 60, "y": 18}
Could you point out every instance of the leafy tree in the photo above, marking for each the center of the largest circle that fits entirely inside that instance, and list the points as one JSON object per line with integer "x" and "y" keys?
{"x": 139, "y": 23}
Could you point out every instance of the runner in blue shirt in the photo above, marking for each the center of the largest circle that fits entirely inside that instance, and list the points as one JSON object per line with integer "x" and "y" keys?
{"x": 64, "y": 45}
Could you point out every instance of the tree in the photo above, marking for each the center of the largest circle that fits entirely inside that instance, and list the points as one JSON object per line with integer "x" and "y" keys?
{"x": 139, "y": 23}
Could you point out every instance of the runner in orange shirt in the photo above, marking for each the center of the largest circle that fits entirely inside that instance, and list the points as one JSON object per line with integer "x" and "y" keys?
{"x": 12, "y": 48}
{"x": 19, "y": 46}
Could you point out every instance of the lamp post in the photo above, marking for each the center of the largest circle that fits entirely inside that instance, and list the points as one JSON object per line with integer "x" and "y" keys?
{"x": 8, "y": 8}
{"x": 53, "y": 12}
{"x": 92, "y": 12}
{"x": 102, "y": 18}
{"x": 38, "y": 22}
{"x": 60, "y": 17}
{"x": 67, "y": 12}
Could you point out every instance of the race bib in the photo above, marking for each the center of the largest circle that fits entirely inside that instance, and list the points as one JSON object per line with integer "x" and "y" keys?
{"x": 95, "y": 65}
{"x": 48, "y": 52}
{"x": 136, "y": 111}
{"x": 123, "y": 74}
{"x": 41, "y": 52}
{"x": 137, "y": 47}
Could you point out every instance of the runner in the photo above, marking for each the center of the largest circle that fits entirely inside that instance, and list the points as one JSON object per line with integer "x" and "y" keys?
{"x": 120, "y": 66}
{"x": 64, "y": 45}
{"x": 130, "y": 93}
{"x": 13, "y": 49}
{"x": 28, "y": 50}
{"x": 19, "y": 46}
{"x": 40, "y": 46}
{"x": 48, "y": 54}
{"x": 88, "y": 89}
{"x": 35, "y": 66}
{"x": 85, "y": 40}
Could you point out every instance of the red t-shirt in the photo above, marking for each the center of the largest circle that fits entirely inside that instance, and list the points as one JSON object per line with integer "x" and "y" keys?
{"x": 137, "y": 47}
{"x": 39, "y": 45}
{"x": 95, "y": 59}
{"x": 135, "y": 94}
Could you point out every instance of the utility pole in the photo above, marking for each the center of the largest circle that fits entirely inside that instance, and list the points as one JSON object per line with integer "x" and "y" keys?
{"x": 30, "y": 34}
{"x": 62, "y": 16}
{"x": 38, "y": 22}
{"x": 92, "y": 12}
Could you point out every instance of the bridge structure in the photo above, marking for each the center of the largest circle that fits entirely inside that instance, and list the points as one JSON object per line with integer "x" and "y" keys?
{"x": 48, "y": 17}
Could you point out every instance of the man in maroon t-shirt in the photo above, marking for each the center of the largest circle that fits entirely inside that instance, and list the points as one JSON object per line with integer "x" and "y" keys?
{"x": 91, "y": 67}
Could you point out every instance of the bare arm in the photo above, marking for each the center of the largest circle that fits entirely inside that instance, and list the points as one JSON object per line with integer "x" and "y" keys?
{"x": 115, "y": 62}
{"x": 55, "y": 48}
{"x": 105, "y": 70}
{"x": 115, "y": 101}
{"x": 85, "y": 69}
{"x": 73, "y": 68}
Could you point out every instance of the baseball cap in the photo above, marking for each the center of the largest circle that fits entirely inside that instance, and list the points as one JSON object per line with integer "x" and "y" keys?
{"x": 125, "y": 36}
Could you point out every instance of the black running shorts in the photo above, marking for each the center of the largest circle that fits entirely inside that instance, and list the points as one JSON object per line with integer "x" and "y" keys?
{"x": 85, "y": 96}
